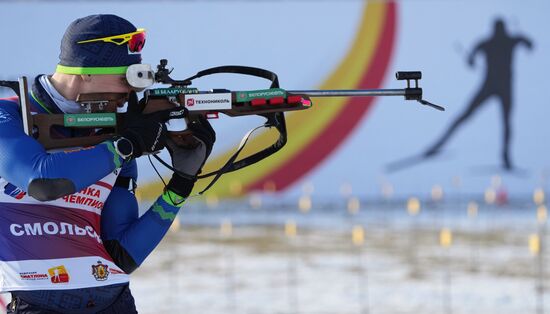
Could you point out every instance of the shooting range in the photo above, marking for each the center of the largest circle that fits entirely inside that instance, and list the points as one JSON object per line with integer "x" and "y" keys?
{"x": 375, "y": 204}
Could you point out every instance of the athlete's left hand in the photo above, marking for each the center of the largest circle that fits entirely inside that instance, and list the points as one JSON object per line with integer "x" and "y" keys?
{"x": 188, "y": 161}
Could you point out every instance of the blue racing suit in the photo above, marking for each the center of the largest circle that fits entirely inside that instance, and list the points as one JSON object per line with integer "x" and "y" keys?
{"x": 69, "y": 225}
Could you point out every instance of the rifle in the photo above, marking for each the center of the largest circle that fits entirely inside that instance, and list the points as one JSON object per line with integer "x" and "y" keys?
{"x": 271, "y": 103}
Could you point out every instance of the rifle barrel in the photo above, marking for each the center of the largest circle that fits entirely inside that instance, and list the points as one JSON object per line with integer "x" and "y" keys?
{"x": 349, "y": 92}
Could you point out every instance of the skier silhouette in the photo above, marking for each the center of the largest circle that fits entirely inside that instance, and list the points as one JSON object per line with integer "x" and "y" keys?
{"x": 498, "y": 51}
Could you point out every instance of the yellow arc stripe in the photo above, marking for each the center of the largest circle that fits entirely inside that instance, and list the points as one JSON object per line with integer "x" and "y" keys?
{"x": 302, "y": 126}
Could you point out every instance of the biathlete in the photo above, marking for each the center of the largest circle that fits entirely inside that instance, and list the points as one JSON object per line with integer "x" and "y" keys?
{"x": 70, "y": 232}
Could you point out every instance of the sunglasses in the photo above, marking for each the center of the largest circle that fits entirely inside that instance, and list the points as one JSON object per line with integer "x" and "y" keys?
{"x": 135, "y": 40}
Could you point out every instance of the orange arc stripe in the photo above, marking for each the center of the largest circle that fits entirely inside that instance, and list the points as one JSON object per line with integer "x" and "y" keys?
{"x": 302, "y": 126}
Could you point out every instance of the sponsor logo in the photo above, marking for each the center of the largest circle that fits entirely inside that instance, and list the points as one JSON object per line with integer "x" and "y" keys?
{"x": 53, "y": 228}
{"x": 262, "y": 93}
{"x": 13, "y": 191}
{"x": 100, "y": 271}
{"x": 214, "y": 101}
{"x": 177, "y": 114}
{"x": 33, "y": 276}
{"x": 89, "y": 119}
{"x": 172, "y": 91}
{"x": 58, "y": 274}
{"x": 270, "y": 93}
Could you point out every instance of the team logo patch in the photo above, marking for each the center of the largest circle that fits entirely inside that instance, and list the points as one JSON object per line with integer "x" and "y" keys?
{"x": 58, "y": 274}
{"x": 100, "y": 271}
{"x": 13, "y": 191}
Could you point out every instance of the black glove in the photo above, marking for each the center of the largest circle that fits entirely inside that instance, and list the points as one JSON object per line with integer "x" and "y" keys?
{"x": 188, "y": 161}
{"x": 146, "y": 132}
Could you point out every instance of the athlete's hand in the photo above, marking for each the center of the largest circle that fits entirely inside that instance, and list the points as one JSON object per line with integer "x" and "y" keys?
{"x": 146, "y": 132}
{"x": 188, "y": 161}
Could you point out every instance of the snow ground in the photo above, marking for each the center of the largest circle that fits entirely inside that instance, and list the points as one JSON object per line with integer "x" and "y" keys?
{"x": 401, "y": 267}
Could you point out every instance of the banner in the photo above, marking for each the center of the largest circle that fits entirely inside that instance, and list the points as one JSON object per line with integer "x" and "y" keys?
{"x": 483, "y": 61}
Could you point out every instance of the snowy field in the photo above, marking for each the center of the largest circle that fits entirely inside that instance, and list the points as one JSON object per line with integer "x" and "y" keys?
{"x": 237, "y": 259}
{"x": 255, "y": 267}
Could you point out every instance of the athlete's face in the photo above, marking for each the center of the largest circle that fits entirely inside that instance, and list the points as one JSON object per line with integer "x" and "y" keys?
{"x": 104, "y": 83}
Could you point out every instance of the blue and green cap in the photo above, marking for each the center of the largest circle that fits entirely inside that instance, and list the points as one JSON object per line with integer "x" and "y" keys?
{"x": 80, "y": 54}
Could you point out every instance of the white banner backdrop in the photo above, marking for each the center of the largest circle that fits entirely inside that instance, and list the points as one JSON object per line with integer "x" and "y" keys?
{"x": 304, "y": 41}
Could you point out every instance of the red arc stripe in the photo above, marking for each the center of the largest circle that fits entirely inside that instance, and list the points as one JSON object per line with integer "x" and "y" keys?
{"x": 342, "y": 125}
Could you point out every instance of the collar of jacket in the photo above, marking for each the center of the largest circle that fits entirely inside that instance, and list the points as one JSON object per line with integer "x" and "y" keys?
{"x": 43, "y": 99}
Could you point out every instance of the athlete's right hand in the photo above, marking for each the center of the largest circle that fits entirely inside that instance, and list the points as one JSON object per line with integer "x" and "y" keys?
{"x": 146, "y": 132}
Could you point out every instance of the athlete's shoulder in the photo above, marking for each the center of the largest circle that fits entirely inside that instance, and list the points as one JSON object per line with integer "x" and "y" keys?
{"x": 9, "y": 102}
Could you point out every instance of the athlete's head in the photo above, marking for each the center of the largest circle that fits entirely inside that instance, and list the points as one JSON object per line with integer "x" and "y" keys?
{"x": 96, "y": 50}
{"x": 499, "y": 26}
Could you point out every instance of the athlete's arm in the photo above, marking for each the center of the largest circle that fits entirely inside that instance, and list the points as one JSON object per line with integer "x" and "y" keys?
{"x": 129, "y": 239}
{"x": 48, "y": 176}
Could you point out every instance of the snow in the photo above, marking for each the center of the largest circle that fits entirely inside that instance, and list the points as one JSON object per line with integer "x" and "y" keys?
{"x": 401, "y": 268}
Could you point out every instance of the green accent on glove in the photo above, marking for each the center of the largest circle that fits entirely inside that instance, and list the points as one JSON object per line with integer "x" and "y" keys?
{"x": 173, "y": 198}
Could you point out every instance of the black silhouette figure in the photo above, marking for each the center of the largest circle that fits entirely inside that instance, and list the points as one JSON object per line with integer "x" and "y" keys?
{"x": 498, "y": 51}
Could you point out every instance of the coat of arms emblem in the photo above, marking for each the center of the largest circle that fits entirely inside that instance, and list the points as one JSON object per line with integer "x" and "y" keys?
{"x": 100, "y": 271}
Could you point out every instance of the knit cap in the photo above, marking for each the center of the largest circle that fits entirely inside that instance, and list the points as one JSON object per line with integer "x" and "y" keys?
{"x": 96, "y": 57}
